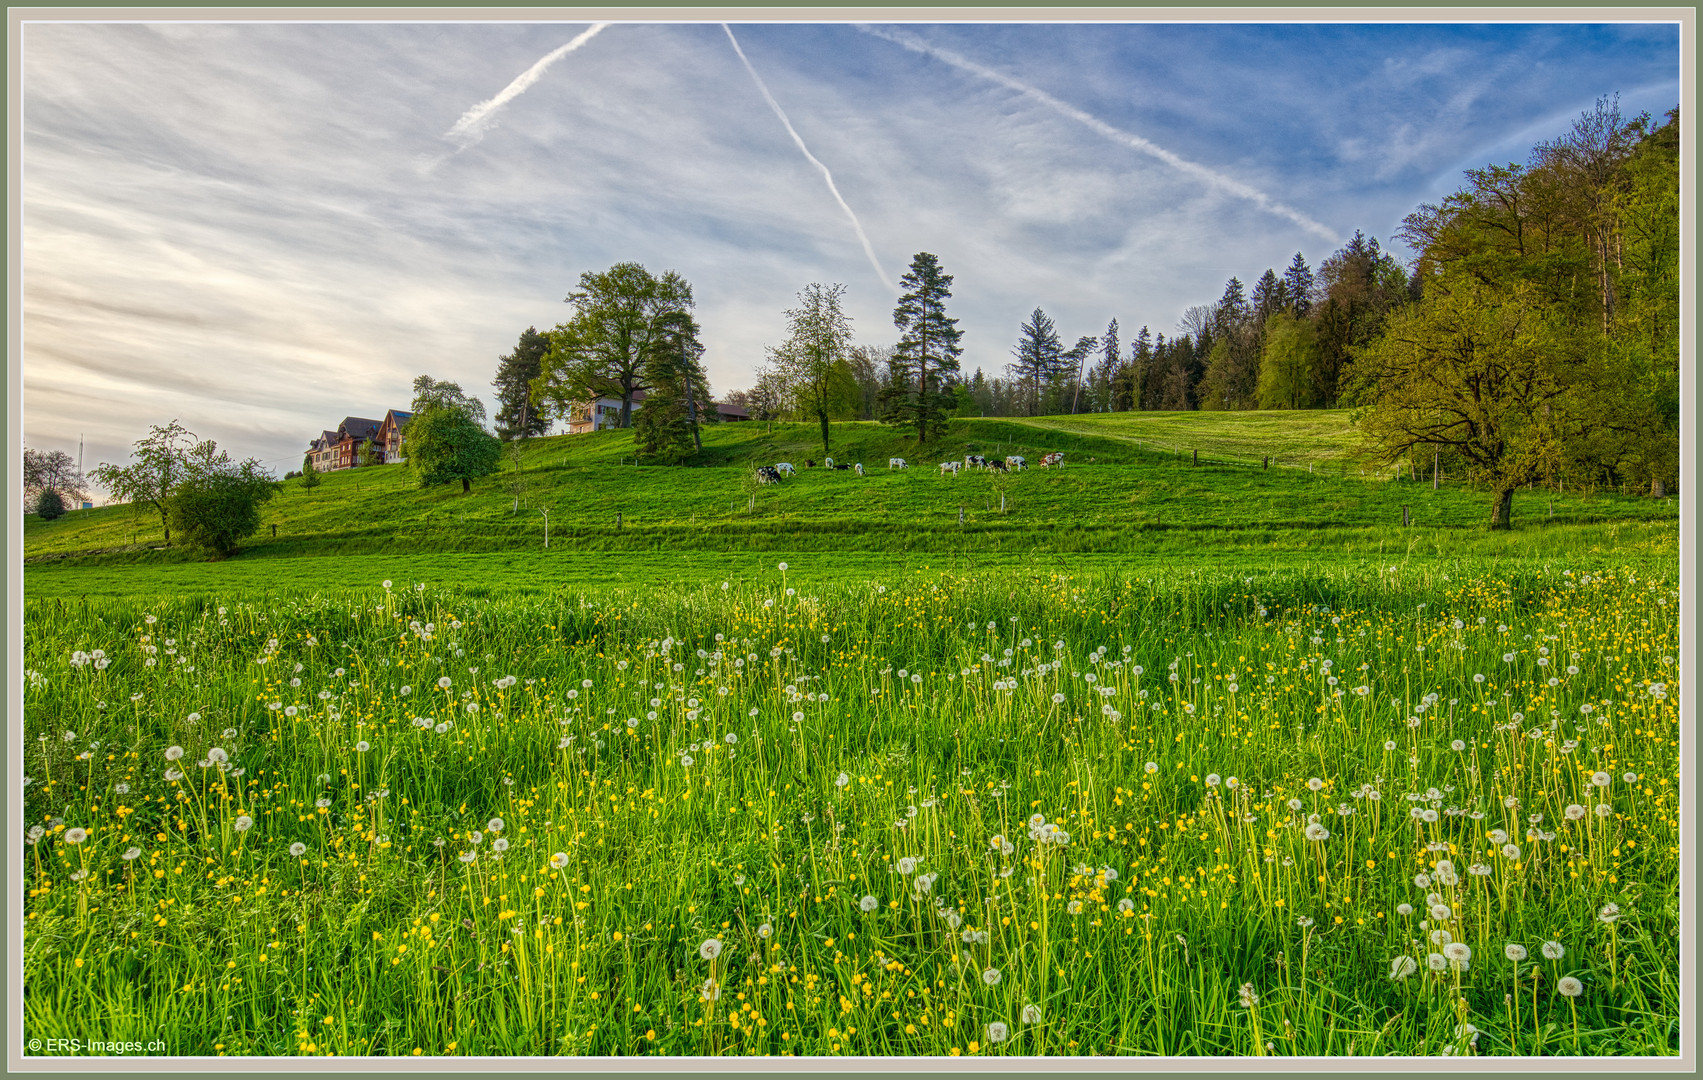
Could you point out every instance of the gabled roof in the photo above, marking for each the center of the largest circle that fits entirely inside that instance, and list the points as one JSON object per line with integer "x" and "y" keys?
{"x": 358, "y": 427}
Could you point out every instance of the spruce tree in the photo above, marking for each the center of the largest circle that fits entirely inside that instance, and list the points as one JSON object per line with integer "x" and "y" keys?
{"x": 1298, "y": 280}
{"x": 928, "y": 348}
{"x": 517, "y": 416}
{"x": 677, "y": 403}
{"x": 1038, "y": 354}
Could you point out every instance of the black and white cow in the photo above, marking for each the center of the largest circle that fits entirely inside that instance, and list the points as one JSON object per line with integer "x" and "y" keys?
{"x": 785, "y": 468}
{"x": 972, "y": 461}
{"x": 998, "y": 465}
{"x": 1016, "y": 462}
{"x": 950, "y": 467}
{"x": 768, "y": 474}
{"x": 897, "y": 463}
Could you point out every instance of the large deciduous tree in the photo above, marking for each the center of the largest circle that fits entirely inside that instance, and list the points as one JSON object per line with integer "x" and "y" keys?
{"x": 677, "y": 401}
{"x": 517, "y": 415}
{"x": 1485, "y": 373}
{"x": 50, "y": 470}
{"x": 622, "y": 318}
{"x": 446, "y": 440}
{"x": 925, "y": 361}
{"x": 157, "y": 467}
{"x": 815, "y": 359}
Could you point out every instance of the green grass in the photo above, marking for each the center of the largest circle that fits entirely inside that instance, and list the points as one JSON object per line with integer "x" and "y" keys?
{"x": 898, "y": 686}
{"x": 875, "y": 721}
{"x": 1113, "y": 497}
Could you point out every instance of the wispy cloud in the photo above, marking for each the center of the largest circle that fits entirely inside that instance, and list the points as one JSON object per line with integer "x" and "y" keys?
{"x": 1212, "y": 177}
{"x": 863, "y": 237}
{"x": 467, "y": 128}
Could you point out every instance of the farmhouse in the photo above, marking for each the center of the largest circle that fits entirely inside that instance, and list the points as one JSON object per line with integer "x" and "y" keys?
{"x": 605, "y": 412}
{"x": 341, "y": 448}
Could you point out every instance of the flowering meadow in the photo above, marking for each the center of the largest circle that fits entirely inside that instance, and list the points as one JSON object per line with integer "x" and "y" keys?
{"x": 1405, "y": 809}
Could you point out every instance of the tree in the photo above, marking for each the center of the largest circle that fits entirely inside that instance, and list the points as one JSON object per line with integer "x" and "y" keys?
{"x": 1487, "y": 374}
{"x": 310, "y": 475}
{"x": 446, "y": 440}
{"x": 55, "y": 469}
{"x": 928, "y": 350}
{"x": 1039, "y": 355}
{"x": 1074, "y": 360}
{"x": 1360, "y": 286}
{"x": 517, "y": 415}
{"x": 814, "y": 361}
{"x": 367, "y": 455}
{"x": 1288, "y": 366}
{"x": 622, "y": 318}
{"x": 869, "y": 367}
{"x": 49, "y": 506}
{"x": 152, "y": 478}
{"x": 218, "y": 500}
{"x": 676, "y": 403}
{"x": 1298, "y": 285}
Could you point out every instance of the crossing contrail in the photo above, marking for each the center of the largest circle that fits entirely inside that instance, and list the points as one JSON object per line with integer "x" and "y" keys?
{"x": 1095, "y": 124}
{"x": 468, "y": 126}
{"x": 826, "y": 175}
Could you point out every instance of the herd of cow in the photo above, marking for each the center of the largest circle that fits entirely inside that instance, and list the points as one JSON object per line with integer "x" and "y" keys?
{"x": 771, "y": 474}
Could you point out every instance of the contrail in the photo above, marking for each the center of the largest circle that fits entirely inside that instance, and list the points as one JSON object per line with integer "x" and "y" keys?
{"x": 826, "y": 175}
{"x": 473, "y": 118}
{"x": 1216, "y": 179}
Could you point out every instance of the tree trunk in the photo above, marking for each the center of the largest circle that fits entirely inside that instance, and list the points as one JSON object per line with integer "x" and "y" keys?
{"x": 823, "y": 416}
{"x": 1657, "y": 488}
{"x": 1502, "y": 509}
{"x": 465, "y": 486}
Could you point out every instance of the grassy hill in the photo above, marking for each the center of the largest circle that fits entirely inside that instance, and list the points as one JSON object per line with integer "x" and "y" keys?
{"x": 1129, "y": 488}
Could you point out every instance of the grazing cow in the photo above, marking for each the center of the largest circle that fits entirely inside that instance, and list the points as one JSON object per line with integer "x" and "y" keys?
{"x": 949, "y": 467}
{"x": 766, "y": 474}
{"x": 897, "y": 463}
{"x": 785, "y": 469}
{"x": 859, "y": 468}
{"x": 809, "y": 463}
{"x": 998, "y": 465}
{"x": 1052, "y": 459}
{"x": 973, "y": 460}
{"x": 828, "y": 463}
{"x": 1016, "y": 462}
{"x": 840, "y": 468}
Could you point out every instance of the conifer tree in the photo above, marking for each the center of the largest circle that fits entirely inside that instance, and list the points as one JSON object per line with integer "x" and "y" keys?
{"x": 928, "y": 350}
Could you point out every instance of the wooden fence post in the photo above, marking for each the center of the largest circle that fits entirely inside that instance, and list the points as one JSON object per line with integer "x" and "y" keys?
{"x": 617, "y": 521}
{"x": 1196, "y": 457}
{"x": 1405, "y": 520}
{"x": 1267, "y": 464}
{"x": 1436, "y": 468}
{"x": 960, "y": 515}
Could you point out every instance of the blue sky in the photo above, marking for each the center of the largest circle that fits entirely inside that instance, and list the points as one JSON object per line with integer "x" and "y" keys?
{"x": 261, "y": 228}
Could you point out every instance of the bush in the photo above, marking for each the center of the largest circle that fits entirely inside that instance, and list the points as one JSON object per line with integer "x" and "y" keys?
{"x": 50, "y": 506}
{"x": 220, "y": 504}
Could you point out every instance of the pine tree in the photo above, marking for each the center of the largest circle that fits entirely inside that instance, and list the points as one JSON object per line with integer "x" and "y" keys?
{"x": 517, "y": 416}
{"x": 928, "y": 348}
{"x": 1298, "y": 280}
{"x": 1038, "y": 354}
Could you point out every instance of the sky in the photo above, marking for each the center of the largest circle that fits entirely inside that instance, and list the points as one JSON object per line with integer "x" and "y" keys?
{"x": 261, "y": 228}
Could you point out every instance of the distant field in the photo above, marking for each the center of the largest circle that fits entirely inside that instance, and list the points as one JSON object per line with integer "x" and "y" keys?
{"x": 1115, "y": 496}
{"x": 1322, "y": 437}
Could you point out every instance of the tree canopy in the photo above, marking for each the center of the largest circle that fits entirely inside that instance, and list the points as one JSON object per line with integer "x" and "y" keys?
{"x": 925, "y": 360}
{"x": 623, "y": 317}
{"x": 517, "y": 415}
{"x": 446, "y": 440}
{"x": 218, "y": 501}
{"x": 159, "y": 463}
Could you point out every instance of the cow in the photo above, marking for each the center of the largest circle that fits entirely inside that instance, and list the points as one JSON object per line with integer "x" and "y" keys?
{"x": 840, "y": 468}
{"x": 828, "y": 463}
{"x": 1016, "y": 462}
{"x": 973, "y": 460}
{"x": 859, "y": 468}
{"x": 897, "y": 463}
{"x": 785, "y": 469}
{"x": 998, "y": 465}
{"x": 949, "y": 467}
{"x": 809, "y": 463}
{"x": 1054, "y": 458}
{"x": 766, "y": 474}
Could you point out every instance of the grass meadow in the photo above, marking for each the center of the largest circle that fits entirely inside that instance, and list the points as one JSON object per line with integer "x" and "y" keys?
{"x": 1233, "y": 806}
